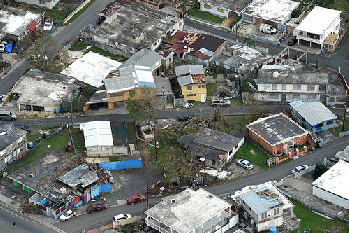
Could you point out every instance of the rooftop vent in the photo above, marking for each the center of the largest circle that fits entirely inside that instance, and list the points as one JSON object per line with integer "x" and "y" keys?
{"x": 173, "y": 201}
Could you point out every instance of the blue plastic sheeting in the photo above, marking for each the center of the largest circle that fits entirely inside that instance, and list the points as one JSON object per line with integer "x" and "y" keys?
{"x": 43, "y": 202}
{"x": 8, "y": 48}
{"x": 78, "y": 204}
{"x": 121, "y": 165}
{"x": 95, "y": 192}
{"x": 104, "y": 188}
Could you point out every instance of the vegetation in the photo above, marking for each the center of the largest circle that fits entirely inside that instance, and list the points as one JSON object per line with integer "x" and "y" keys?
{"x": 80, "y": 11}
{"x": 316, "y": 223}
{"x": 246, "y": 86}
{"x": 320, "y": 169}
{"x": 211, "y": 89}
{"x": 248, "y": 41}
{"x": 206, "y": 16}
{"x": 79, "y": 99}
{"x": 131, "y": 133}
{"x": 254, "y": 154}
{"x": 141, "y": 105}
{"x": 235, "y": 21}
{"x": 79, "y": 140}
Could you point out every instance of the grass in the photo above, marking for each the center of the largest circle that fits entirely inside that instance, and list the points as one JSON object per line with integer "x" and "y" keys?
{"x": 79, "y": 12}
{"x": 338, "y": 129}
{"x": 131, "y": 134}
{"x": 315, "y": 222}
{"x": 206, "y": 16}
{"x": 114, "y": 159}
{"x": 57, "y": 142}
{"x": 258, "y": 157}
{"x": 58, "y": 13}
{"x": 78, "y": 46}
{"x": 79, "y": 140}
{"x": 211, "y": 89}
{"x": 346, "y": 216}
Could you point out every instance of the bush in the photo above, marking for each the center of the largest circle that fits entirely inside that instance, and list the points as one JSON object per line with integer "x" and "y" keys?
{"x": 161, "y": 6}
{"x": 319, "y": 170}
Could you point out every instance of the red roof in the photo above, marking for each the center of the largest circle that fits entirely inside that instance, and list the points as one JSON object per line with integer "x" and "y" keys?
{"x": 202, "y": 56}
{"x": 32, "y": 25}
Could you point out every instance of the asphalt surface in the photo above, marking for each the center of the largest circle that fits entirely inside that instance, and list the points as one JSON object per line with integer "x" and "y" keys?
{"x": 23, "y": 222}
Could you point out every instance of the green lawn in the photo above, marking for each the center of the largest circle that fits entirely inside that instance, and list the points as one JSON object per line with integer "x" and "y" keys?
{"x": 254, "y": 154}
{"x": 79, "y": 140}
{"x": 315, "y": 222}
{"x": 79, "y": 12}
{"x": 57, "y": 142}
{"x": 206, "y": 16}
{"x": 338, "y": 129}
{"x": 211, "y": 89}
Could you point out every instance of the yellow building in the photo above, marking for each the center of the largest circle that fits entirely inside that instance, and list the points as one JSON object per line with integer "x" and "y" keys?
{"x": 192, "y": 80}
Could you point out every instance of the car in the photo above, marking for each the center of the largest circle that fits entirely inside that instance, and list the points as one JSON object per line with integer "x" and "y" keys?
{"x": 3, "y": 46}
{"x": 245, "y": 164}
{"x": 299, "y": 168}
{"x": 220, "y": 101}
{"x": 266, "y": 28}
{"x": 120, "y": 217}
{"x": 184, "y": 117}
{"x": 134, "y": 199}
{"x": 292, "y": 41}
{"x": 95, "y": 208}
{"x": 24, "y": 128}
{"x": 48, "y": 25}
{"x": 6, "y": 115}
{"x": 333, "y": 159}
{"x": 67, "y": 215}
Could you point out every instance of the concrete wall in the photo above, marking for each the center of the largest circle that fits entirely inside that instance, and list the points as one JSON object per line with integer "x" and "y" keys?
{"x": 331, "y": 197}
{"x": 195, "y": 91}
{"x": 219, "y": 11}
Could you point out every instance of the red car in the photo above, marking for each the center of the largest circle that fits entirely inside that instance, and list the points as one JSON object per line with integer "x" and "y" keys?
{"x": 135, "y": 199}
{"x": 95, "y": 208}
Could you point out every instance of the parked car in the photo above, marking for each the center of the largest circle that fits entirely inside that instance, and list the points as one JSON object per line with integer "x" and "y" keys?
{"x": 134, "y": 199}
{"x": 95, "y": 208}
{"x": 7, "y": 116}
{"x": 219, "y": 101}
{"x": 120, "y": 217}
{"x": 333, "y": 159}
{"x": 245, "y": 164}
{"x": 67, "y": 215}
{"x": 299, "y": 168}
{"x": 48, "y": 25}
{"x": 184, "y": 117}
{"x": 24, "y": 128}
{"x": 292, "y": 41}
{"x": 266, "y": 28}
{"x": 3, "y": 46}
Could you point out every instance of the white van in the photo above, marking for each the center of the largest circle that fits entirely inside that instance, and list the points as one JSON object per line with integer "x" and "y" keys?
{"x": 7, "y": 116}
{"x": 266, "y": 28}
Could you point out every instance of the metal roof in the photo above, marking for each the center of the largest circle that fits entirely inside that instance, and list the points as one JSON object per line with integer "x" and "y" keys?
{"x": 9, "y": 134}
{"x": 97, "y": 133}
{"x": 185, "y": 80}
{"x": 189, "y": 69}
{"x": 80, "y": 175}
{"x": 313, "y": 112}
{"x": 145, "y": 57}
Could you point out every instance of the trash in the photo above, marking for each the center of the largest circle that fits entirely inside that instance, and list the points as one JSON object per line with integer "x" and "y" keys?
{"x": 48, "y": 146}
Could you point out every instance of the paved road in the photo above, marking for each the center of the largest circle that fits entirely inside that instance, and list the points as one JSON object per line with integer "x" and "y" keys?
{"x": 23, "y": 223}
{"x": 339, "y": 59}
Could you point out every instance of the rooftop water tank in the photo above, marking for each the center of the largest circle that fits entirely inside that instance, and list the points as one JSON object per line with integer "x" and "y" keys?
{"x": 273, "y": 230}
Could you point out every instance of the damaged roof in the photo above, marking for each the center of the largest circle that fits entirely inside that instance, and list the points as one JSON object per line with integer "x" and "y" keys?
{"x": 97, "y": 133}
{"x": 144, "y": 57}
{"x": 81, "y": 176}
{"x": 234, "y": 5}
{"x": 276, "y": 129}
{"x": 9, "y": 134}
{"x": 189, "y": 69}
{"x": 180, "y": 212}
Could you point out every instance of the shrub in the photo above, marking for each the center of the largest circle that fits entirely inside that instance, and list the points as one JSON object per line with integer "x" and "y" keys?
{"x": 319, "y": 170}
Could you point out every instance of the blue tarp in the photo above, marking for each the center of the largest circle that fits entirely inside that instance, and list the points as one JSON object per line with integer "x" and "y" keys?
{"x": 8, "y": 48}
{"x": 121, "y": 165}
{"x": 104, "y": 188}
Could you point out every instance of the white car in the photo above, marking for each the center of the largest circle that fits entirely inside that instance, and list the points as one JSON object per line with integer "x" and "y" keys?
{"x": 299, "y": 168}
{"x": 120, "y": 217}
{"x": 3, "y": 46}
{"x": 67, "y": 215}
{"x": 48, "y": 25}
{"x": 245, "y": 164}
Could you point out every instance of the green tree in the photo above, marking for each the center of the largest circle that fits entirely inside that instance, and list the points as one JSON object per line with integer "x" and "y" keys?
{"x": 320, "y": 169}
{"x": 182, "y": 6}
{"x": 248, "y": 41}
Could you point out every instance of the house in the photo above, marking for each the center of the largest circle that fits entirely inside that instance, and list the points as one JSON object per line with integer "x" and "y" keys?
{"x": 132, "y": 81}
{"x": 224, "y": 9}
{"x": 213, "y": 147}
{"x": 262, "y": 206}
{"x": 39, "y": 91}
{"x": 15, "y": 23}
{"x": 277, "y": 133}
{"x": 13, "y": 144}
{"x": 317, "y": 27}
{"x": 164, "y": 96}
{"x": 179, "y": 213}
{"x": 105, "y": 138}
{"x": 273, "y": 12}
{"x": 128, "y": 29}
{"x": 314, "y": 116}
{"x": 332, "y": 186}
{"x": 92, "y": 68}
{"x": 153, "y": 3}
{"x": 199, "y": 48}
{"x": 58, "y": 183}
{"x": 289, "y": 82}
{"x": 191, "y": 79}
{"x": 241, "y": 58}
{"x": 49, "y": 4}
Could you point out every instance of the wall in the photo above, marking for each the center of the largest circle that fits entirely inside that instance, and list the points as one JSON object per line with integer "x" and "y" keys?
{"x": 12, "y": 152}
{"x": 268, "y": 87}
{"x": 224, "y": 13}
{"x": 331, "y": 197}
{"x": 121, "y": 165}
{"x": 196, "y": 91}
{"x": 264, "y": 144}
{"x": 106, "y": 150}
{"x": 235, "y": 149}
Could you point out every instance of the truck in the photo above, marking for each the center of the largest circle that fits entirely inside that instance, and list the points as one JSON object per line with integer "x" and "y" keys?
{"x": 266, "y": 28}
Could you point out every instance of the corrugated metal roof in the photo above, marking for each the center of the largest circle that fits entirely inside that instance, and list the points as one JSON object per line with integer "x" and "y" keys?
{"x": 313, "y": 112}
{"x": 185, "y": 80}
{"x": 97, "y": 133}
{"x": 80, "y": 175}
{"x": 189, "y": 69}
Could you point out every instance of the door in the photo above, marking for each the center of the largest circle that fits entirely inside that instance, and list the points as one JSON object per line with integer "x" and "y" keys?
{"x": 203, "y": 98}
{"x": 283, "y": 97}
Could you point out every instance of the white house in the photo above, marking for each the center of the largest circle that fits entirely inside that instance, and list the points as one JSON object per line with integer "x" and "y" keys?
{"x": 49, "y": 4}
{"x": 317, "y": 26}
{"x": 262, "y": 206}
{"x": 333, "y": 185}
{"x": 221, "y": 8}
{"x": 191, "y": 211}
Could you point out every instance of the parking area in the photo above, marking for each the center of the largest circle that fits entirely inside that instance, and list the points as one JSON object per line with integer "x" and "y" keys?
{"x": 251, "y": 30}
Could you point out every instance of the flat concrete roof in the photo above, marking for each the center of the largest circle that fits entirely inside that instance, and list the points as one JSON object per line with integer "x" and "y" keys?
{"x": 318, "y": 20}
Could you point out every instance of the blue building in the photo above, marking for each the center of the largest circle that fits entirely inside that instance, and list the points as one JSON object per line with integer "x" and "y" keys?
{"x": 314, "y": 116}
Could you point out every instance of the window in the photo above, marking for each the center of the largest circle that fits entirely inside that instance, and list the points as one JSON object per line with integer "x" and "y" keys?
{"x": 329, "y": 122}
{"x": 189, "y": 88}
{"x": 191, "y": 95}
{"x": 201, "y": 86}
{"x": 296, "y": 96}
{"x": 310, "y": 87}
{"x": 207, "y": 6}
{"x": 274, "y": 87}
{"x": 283, "y": 86}
{"x": 220, "y": 10}
{"x": 116, "y": 94}
{"x": 276, "y": 211}
{"x": 297, "y": 87}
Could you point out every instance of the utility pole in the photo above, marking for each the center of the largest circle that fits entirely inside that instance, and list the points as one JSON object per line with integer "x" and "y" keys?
{"x": 71, "y": 110}
{"x": 345, "y": 110}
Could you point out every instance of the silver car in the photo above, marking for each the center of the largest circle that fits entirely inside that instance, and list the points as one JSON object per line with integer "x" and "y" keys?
{"x": 245, "y": 164}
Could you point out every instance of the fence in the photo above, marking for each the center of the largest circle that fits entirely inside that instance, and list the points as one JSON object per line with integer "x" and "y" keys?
{"x": 125, "y": 221}
{"x": 121, "y": 165}
{"x": 344, "y": 134}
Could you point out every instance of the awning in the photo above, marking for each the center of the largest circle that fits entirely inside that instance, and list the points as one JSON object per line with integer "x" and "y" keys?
{"x": 32, "y": 25}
